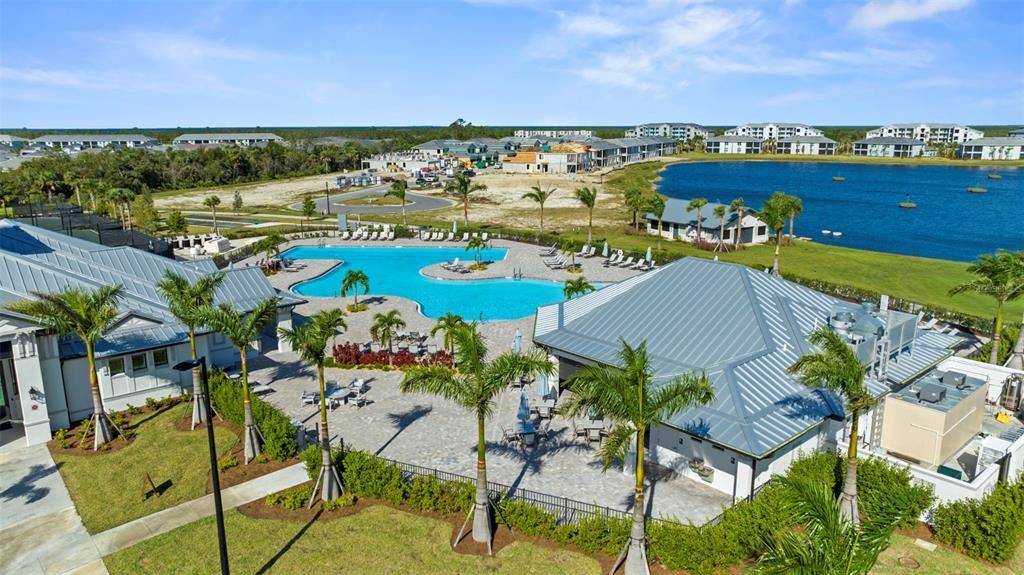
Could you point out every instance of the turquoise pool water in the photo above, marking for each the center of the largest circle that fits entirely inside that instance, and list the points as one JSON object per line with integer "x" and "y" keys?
{"x": 396, "y": 271}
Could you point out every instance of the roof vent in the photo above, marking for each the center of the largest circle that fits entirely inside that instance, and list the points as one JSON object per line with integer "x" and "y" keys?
{"x": 931, "y": 393}
{"x": 954, "y": 379}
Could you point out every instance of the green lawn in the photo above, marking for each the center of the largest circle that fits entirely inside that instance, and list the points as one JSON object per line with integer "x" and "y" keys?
{"x": 376, "y": 540}
{"x": 107, "y": 488}
{"x": 942, "y": 561}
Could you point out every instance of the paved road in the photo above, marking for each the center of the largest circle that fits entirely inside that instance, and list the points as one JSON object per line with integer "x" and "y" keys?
{"x": 416, "y": 202}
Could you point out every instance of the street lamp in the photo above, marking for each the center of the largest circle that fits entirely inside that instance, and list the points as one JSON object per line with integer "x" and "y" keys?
{"x": 221, "y": 537}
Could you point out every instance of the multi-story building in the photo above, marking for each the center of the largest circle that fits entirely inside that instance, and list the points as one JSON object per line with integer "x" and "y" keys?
{"x": 554, "y": 134}
{"x": 680, "y": 132}
{"x": 10, "y": 143}
{"x": 732, "y": 144}
{"x": 1018, "y": 133}
{"x": 890, "y": 147}
{"x": 930, "y": 133}
{"x": 243, "y": 139}
{"x": 992, "y": 149}
{"x": 773, "y": 131}
{"x": 75, "y": 142}
{"x": 806, "y": 146}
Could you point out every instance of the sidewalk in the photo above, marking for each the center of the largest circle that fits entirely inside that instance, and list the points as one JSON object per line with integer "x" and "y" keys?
{"x": 133, "y": 532}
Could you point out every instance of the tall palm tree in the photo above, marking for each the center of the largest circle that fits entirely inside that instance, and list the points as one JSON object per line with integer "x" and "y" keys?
{"x": 1001, "y": 277}
{"x": 242, "y": 329}
{"x": 773, "y": 213}
{"x": 212, "y": 202}
{"x": 122, "y": 198}
{"x": 473, "y": 385}
{"x": 397, "y": 190}
{"x": 384, "y": 328}
{"x": 697, "y": 204}
{"x": 636, "y": 196}
{"x": 187, "y": 300}
{"x": 88, "y": 314}
{"x": 309, "y": 340}
{"x": 540, "y": 196}
{"x": 354, "y": 280}
{"x": 656, "y": 205}
{"x": 795, "y": 208}
{"x": 588, "y": 197}
{"x": 826, "y": 544}
{"x": 739, "y": 208}
{"x": 270, "y": 245}
{"x": 628, "y": 395}
{"x": 835, "y": 366}
{"x": 461, "y": 186}
{"x": 576, "y": 286}
{"x": 476, "y": 244}
{"x": 719, "y": 212}
{"x": 447, "y": 324}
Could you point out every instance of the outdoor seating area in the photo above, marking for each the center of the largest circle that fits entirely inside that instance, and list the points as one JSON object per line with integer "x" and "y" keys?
{"x": 619, "y": 259}
{"x": 353, "y": 394}
{"x": 452, "y": 236}
{"x": 366, "y": 234}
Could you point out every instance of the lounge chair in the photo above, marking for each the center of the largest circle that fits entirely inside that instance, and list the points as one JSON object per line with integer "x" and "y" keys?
{"x": 344, "y": 235}
{"x": 373, "y": 237}
{"x": 627, "y": 263}
{"x": 465, "y": 236}
{"x": 475, "y": 235}
{"x": 310, "y": 397}
{"x": 391, "y": 236}
{"x": 583, "y": 252}
{"x": 451, "y": 236}
{"x": 483, "y": 236}
{"x": 930, "y": 323}
{"x": 639, "y": 265}
{"x": 547, "y": 252}
{"x": 614, "y": 260}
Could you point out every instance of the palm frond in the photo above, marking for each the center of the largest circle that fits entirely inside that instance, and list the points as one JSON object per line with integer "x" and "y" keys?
{"x": 617, "y": 444}
{"x": 690, "y": 390}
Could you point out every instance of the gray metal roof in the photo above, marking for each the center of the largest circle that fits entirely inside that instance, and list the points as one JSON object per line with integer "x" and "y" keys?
{"x": 995, "y": 141}
{"x": 732, "y": 138}
{"x": 676, "y": 212}
{"x": 228, "y": 136}
{"x": 72, "y": 138}
{"x": 37, "y": 260}
{"x": 9, "y": 139}
{"x": 807, "y": 140}
{"x": 741, "y": 326}
{"x": 885, "y": 140}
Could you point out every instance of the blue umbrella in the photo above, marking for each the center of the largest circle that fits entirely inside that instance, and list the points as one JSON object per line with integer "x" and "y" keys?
{"x": 604, "y": 250}
{"x": 524, "y": 407}
{"x": 517, "y": 342}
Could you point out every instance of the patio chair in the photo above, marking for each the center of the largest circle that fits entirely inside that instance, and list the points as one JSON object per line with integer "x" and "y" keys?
{"x": 578, "y": 431}
{"x": 483, "y": 237}
{"x": 310, "y": 397}
{"x": 357, "y": 400}
{"x": 547, "y": 252}
{"x": 373, "y": 237}
{"x": 639, "y": 265}
{"x": 583, "y": 251}
{"x": 508, "y": 435}
{"x": 391, "y": 236}
{"x": 344, "y": 235}
{"x": 358, "y": 385}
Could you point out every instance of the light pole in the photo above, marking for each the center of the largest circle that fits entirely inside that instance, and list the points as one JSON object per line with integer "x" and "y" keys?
{"x": 222, "y": 540}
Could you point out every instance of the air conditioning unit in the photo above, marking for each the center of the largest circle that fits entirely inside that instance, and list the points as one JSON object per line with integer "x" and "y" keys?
{"x": 953, "y": 378}
{"x": 931, "y": 393}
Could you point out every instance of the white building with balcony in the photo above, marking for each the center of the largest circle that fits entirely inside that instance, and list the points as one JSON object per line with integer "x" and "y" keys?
{"x": 992, "y": 149}
{"x": 929, "y": 133}
{"x": 680, "y": 132}
{"x": 806, "y": 146}
{"x": 773, "y": 131}
{"x": 733, "y": 145}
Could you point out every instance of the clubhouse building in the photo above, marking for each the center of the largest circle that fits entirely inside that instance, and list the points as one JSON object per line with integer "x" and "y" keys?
{"x": 680, "y": 223}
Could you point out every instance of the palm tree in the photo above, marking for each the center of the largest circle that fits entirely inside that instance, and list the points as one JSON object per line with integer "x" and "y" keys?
{"x": 635, "y": 197}
{"x": 773, "y": 213}
{"x": 835, "y": 366}
{"x": 473, "y": 385}
{"x": 398, "y": 188}
{"x": 88, "y": 315}
{"x": 656, "y": 205}
{"x": 737, "y": 207}
{"x": 212, "y": 202}
{"x": 447, "y": 324}
{"x": 354, "y": 280}
{"x": 270, "y": 244}
{"x": 384, "y": 328}
{"x": 122, "y": 198}
{"x": 697, "y": 204}
{"x": 588, "y": 197}
{"x": 577, "y": 286}
{"x": 719, "y": 212}
{"x": 462, "y": 186}
{"x": 795, "y": 208}
{"x": 309, "y": 340}
{"x": 1001, "y": 277}
{"x": 186, "y": 302}
{"x": 242, "y": 329}
{"x": 476, "y": 244}
{"x": 627, "y": 394}
{"x": 826, "y": 544}
{"x": 540, "y": 196}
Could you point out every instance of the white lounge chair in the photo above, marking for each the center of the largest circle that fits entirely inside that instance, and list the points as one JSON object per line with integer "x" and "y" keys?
{"x": 451, "y": 236}
{"x": 930, "y": 323}
{"x": 549, "y": 251}
{"x": 615, "y": 259}
{"x": 640, "y": 264}
{"x": 483, "y": 236}
{"x": 627, "y": 263}
{"x": 373, "y": 236}
{"x": 465, "y": 236}
{"x": 391, "y": 236}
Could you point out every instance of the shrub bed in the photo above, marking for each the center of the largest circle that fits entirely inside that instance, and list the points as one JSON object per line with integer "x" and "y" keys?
{"x": 276, "y": 428}
{"x": 350, "y": 355}
{"x": 989, "y": 529}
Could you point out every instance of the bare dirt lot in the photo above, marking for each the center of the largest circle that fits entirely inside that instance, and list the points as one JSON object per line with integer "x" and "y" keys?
{"x": 275, "y": 194}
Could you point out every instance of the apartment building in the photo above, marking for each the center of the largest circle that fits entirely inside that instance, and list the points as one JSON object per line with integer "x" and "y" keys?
{"x": 241, "y": 139}
{"x": 929, "y": 133}
{"x": 992, "y": 149}
{"x": 732, "y": 144}
{"x": 891, "y": 147}
{"x": 773, "y": 131}
{"x": 806, "y": 146}
{"x": 680, "y": 132}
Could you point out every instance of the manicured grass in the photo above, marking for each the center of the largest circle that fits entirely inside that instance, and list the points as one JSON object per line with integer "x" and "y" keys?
{"x": 942, "y": 561}
{"x": 376, "y": 540}
{"x": 371, "y": 201}
{"x": 107, "y": 488}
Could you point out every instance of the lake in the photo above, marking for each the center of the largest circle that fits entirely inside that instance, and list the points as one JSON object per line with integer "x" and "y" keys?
{"x": 948, "y": 223}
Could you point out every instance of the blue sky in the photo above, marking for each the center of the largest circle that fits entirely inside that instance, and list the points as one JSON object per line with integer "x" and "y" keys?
{"x": 109, "y": 63}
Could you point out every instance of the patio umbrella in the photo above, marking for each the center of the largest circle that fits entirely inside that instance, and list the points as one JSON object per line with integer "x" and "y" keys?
{"x": 455, "y": 226}
{"x": 543, "y": 387}
{"x": 517, "y": 341}
{"x": 523, "y": 413}
{"x": 604, "y": 250}
{"x": 648, "y": 258}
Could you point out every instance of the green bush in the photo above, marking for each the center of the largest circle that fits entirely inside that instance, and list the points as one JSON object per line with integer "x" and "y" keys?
{"x": 312, "y": 458}
{"x": 276, "y": 427}
{"x": 428, "y": 493}
{"x": 528, "y": 518}
{"x": 293, "y": 498}
{"x": 346, "y": 499}
{"x": 227, "y": 462}
{"x": 989, "y": 529}
{"x": 372, "y": 476}
{"x": 882, "y": 485}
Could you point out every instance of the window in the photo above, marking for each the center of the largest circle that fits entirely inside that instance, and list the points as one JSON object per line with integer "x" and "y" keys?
{"x": 139, "y": 362}
{"x": 762, "y": 230}
{"x": 116, "y": 366}
{"x": 160, "y": 358}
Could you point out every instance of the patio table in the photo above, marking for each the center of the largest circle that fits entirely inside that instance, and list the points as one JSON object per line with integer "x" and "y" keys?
{"x": 339, "y": 395}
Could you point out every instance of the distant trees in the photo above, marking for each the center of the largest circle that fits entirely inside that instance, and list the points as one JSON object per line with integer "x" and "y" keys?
{"x": 236, "y": 202}
{"x": 176, "y": 223}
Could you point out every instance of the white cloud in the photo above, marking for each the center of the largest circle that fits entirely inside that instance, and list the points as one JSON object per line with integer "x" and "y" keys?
{"x": 791, "y": 98}
{"x": 622, "y": 70}
{"x": 880, "y": 13}
{"x": 790, "y": 3}
{"x": 40, "y": 76}
{"x": 591, "y": 25}
{"x": 702, "y": 24}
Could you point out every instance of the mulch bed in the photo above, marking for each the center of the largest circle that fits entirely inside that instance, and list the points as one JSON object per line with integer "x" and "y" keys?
{"x": 71, "y": 438}
{"x": 239, "y": 473}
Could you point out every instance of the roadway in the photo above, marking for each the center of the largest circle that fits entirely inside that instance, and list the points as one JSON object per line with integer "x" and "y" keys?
{"x": 414, "y": 202}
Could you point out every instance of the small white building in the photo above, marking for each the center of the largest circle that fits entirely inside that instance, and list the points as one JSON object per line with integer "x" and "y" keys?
{"x": 806, "y": 146}
{"x": 773, "y": 131}
{"x": 680, "y": 223}
{"x": 732, "y": 144}
{"x": 886, "y": 147}
{"x": 228, "y": 139}
{"x": 45, "y": 376}
{"x": 78, "y": 142}
{"x": 930, "y": 133}
{"x": 992, "y": 149}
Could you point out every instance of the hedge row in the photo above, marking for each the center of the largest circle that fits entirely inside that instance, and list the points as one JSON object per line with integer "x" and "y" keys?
{"x": 988, "y": 529}
{"x": 276, "y": 428}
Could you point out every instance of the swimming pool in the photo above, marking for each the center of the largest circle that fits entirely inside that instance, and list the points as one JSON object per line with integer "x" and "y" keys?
{"x": 396, "y": 271}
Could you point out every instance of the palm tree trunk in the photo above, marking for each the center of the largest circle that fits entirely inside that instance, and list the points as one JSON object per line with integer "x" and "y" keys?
{"x": 199, "y": 414}
{"x": 102, "y": 432}
{"x": 465, "y": 211}
{"x": 590, "y": 226}
{"x": 405, "y": 222}
{"x": 699, "y": 228}
{"x": 739, "y": 230}
{"x": 721, "y": 233}
{"x": 993, "y": 355}
{"x": 660, "y": 230}
{"x": 331, "y": 486}
{"x": 214, "y": 212}
{"x": 542, "y": 218}
{"x": 636, "y": 554}
{"x": 482, "y": 506}
{"x": 252, "y": 440}
{"x": 792, "y": 217}
{"x": 848, "y": 498}
{"x": 778, "y": 245}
